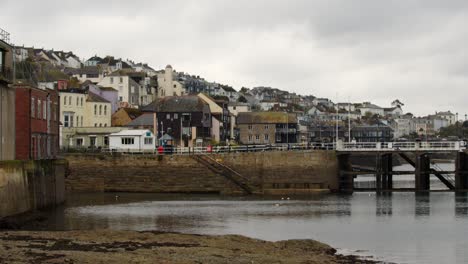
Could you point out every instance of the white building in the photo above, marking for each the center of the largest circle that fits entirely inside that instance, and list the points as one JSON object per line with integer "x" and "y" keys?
{"x": 367, "y": 107}
{"x": 132, "y": 140}
{"x": 167, "y": 85}
{"x": 402, "y": 127}
{"x": 128, "y": 89}
{"x": 449, "y": 116}
{"x": 267, "y": 106}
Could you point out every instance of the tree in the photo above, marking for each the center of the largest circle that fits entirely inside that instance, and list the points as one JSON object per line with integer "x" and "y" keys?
{"x": 397, "y": 103}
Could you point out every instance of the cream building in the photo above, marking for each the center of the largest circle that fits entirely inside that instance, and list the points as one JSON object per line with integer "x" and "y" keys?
{"x": 80, "y": 109}
{"x": 167, "y": 86}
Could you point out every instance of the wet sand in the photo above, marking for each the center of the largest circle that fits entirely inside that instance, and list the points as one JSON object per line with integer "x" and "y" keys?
{"x": 105, "y": 246}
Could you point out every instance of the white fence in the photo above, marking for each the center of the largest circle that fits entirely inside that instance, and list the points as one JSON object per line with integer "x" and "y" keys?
{"x": 340, "y": 146}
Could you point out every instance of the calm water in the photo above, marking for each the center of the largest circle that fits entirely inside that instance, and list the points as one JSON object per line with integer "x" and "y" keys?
{"x": 398, "y": 227}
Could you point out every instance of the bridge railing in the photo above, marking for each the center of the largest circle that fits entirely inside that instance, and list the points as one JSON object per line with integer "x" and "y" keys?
{"x": 399, "y": 146}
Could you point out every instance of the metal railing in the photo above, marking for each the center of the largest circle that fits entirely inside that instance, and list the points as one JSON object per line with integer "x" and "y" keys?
{"x": 4, "y": 36}
{"x": 169, "y": 150}
{"x": 402, "y": 146}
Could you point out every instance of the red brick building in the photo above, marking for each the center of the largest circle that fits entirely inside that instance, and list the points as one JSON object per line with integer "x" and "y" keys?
{"x": 37, "y": 123}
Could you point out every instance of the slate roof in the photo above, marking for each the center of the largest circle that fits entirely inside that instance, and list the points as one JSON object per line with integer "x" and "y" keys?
{"x": 144, "y": 120}
{"x": 176, "y": 104}
{"x": 266, "y": 118}
{"x": 107, "y": 89}
{"x": 92, "y": 97}
{"x": 132, "y": 112}
{"x": 445, "y": 113}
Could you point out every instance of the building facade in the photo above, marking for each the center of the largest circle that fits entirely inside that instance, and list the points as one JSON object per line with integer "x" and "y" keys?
{"x": 168, "y": 85}
{"x": 267, "y": 128}
{"x": 37, "y": 123}
{"x": 7, "y": 103}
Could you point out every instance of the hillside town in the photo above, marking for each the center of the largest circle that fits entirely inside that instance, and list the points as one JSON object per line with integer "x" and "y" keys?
{"x": 52, "y": 100}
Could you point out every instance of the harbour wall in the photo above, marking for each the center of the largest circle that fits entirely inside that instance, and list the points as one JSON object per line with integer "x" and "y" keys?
{"x": 26, "y": 186}
{"x": 281, "y": 172}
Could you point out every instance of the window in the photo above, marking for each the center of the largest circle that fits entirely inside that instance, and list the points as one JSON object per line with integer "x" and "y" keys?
{"x": 105, "y": 110}
{"x": 250, "y": 127}
{"x": 95, "y": 124}
{"x": 100, "y": 109}
{"x": 121, "y": 80}
{"x": 81, "y": 120}
{"x": 148, "y": 141}
{"x": 267, "y": 127}
{"x": 100, "y": 124}
{"x": 44, "y": 111}
{"x": 120, "y": 98}
{"x": 95, "y": 109}
{"x": 77, "y": 121}
{"x": 106, "y": 141}
{"x": 111, "y": 80}
{"x": 81, "y": 101}
{"x": 77, "y": 101}
{"x": 66, "y": 122}
{"x": 176, "y": 116}
{"x": 250, "y": 138}
{"x": 127, "y": 141}
{"x": 266, "y": 137}
{"x": 64, "y": 100}
{"x": 33, "y": 107}
{"x": 168, "y": 116}
{"x": 257, "y": 137}
{"x": 79, "y": 142}
{"x": 69, "y": 100}
{"x": 92, "y": 141}
{"x": 39, "y": 107}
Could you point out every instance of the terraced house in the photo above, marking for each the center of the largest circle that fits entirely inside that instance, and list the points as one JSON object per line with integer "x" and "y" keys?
{"x": 82, "y": 109}
{"x": 267, "y": 128}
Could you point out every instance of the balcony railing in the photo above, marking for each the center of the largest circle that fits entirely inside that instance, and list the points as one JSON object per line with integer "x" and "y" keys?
{"x": 6, "y": 74}
{"x": 4, "y": 36}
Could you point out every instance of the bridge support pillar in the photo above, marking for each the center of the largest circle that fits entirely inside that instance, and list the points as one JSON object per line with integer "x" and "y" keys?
{"x": 387, "y": 169}
{"x": 422, "y": 172}
{"x": 384, "y": 168}
{"x": 346, "y": 180}
{"x": 461, "y": 171}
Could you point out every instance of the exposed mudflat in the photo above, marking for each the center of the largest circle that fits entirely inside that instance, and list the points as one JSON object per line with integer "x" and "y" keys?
{"x": 154, "y": 247}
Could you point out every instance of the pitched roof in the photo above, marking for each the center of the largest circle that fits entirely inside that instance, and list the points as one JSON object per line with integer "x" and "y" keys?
{"x": 107, "y": 89}
{"x": 369, "y": 105}
{"x": 132, "y": 112}
{"x": 95, "y": 58}
{"x": 445, "y": 113}
{"x": 188, "y": 103}
{"x": 266, "y": 118}
{"x": 92, "y": 97}
{"x": 145, "y": 120}
{"x": 131, "y": 132}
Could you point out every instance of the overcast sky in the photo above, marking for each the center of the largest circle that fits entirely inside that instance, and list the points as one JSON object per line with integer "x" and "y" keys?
{"x": 365, "y": 50}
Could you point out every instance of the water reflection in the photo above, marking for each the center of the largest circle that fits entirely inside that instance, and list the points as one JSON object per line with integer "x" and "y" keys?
{"x": 422, "y": 206}
{"x": 461, "y": 204}
{"x": 383, "y": 205}
{"x": 399, "y": 227}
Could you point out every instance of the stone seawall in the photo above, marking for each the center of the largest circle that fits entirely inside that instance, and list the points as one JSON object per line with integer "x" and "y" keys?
{"x": 30, "y": 185}
{"x": 268, "y": 172}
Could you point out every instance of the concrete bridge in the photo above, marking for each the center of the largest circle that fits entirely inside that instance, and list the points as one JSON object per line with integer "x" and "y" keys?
{"x": 416, "y": 154}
